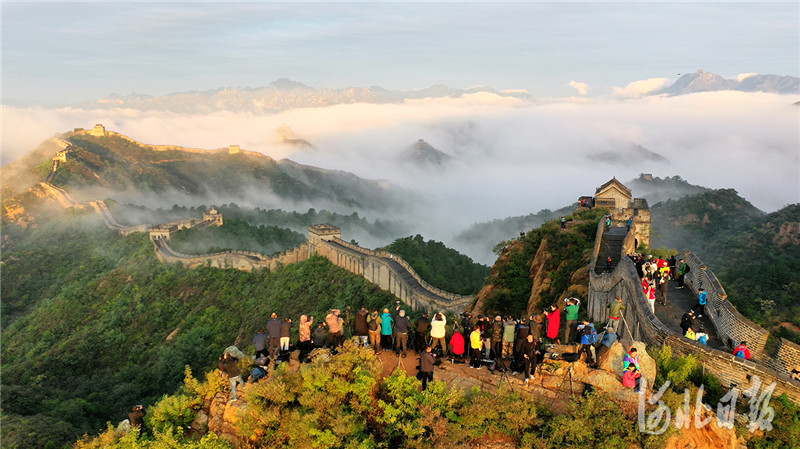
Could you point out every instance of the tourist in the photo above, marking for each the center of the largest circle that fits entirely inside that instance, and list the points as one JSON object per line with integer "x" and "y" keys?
{"x": 631, "y": 358}
{"x": 588, "y": 338}
{"x": 651, "y": 298}
{"x": 701, "y": 336}
{"x": 229, "y": 365}
{"x": 334, "y": 322}
{"x": 615, "y": 311}
{"x": 683, "y": 268}
{"x": 360, "y": 329}
{"x": 509, "y": 329}
{"x": 274, "y": 330}
{"x": 136, "y": 416}
{"x": 522, "y": 334}
{"x": 530, "y": 353}
{"x": 486, "y": 334}
{"x": 553, "y": 323}
{"x": 702, "y": 300}
{"x": 374, "y": 329}
{"x": 286, "y": 327}
{"x": 632, "y": 378}
{"x": 401, "y": 328}
{"x": 687, "y": 321}
{"x": 439, "y": 331}
{"x": 742, "y": 351}
{"x": 260, "y": 343}
{"x": 690, "y": 334}
{"x": 427, "y": 361}
{"x": 421, "y": 331}
{"x": 319, "y": 335}
{"x": 571, "y": 315}
{"x": 304, "y": 334}
{"x": 497, "y": 336}
{"x": 386, "y": 330}
{"x": 662, "y": 286}
{"x": 475, "y": 344}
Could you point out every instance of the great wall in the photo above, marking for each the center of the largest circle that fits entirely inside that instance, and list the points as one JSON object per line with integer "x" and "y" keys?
{"x": 393, "y": 274}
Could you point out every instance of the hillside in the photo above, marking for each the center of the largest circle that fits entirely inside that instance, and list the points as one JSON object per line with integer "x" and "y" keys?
{"x": 544, "y": 266}
{"x": 92, "y": 322}
{"x": 114, "y": 166}
{"x": 439, "y": 265}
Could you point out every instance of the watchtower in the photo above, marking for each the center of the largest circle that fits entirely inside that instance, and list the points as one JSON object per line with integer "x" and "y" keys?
{"x": 98, "y": 131}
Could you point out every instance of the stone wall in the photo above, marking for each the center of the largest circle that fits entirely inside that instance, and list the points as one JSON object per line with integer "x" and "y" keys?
{"x": 642, "y": 325}
{"x": 376, "y": 266}
{"x": 731, "y": 326}
{"x": 240, "y": 260}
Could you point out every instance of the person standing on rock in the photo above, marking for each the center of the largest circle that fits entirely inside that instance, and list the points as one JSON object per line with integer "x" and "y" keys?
{"x": 374, "y": 329}
{"x": 439, "y": 331}
{"x": 286, "y": 328}
{"x": 553, "y": 323}
{"x": 136, "y": 417}
{"x": 304, "y": 333}
{"x": 386, "y": 330}
{"x": 475, "y": 345}
{"x": 360, "y": 329}
{"x": 421, "y": 329}
{"x": 274, "y": 330}
{"x": 427, "y": 360}
{"x": 334, "y": 322}
{"x": 530, "y": 351}
{"x": 260, "y": 343}
{"x": 229, "y": 365}
{"x": 401, "y": 328}
{"x": 588, "y": 338}
{"x": 497, "y": 336}
{"x": 571, "y": 312}
{"x": 509, "y": 326}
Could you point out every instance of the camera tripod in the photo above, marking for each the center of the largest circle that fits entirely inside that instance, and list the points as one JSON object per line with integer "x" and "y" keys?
{"x": 569, "y": 373}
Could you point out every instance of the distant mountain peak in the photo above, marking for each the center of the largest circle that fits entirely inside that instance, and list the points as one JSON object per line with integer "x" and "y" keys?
{"x": 287, "y": 84}
{"x": 422, "y": 153}
{"x": 704, "y": 81}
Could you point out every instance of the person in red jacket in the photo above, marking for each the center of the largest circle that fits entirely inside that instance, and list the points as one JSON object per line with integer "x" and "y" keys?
{"x": 742, "y": 351}
{"x": 631, "y": 378}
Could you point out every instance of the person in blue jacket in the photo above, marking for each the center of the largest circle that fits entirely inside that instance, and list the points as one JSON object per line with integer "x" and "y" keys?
{"x": 702, "y": 300}
{"x": 386, "y": 330}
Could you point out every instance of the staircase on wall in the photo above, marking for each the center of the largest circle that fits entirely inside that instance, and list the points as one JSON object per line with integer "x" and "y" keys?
{"x": 610, "y": 246}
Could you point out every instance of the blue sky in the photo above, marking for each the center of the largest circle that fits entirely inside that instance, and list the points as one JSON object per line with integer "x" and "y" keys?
{"x": 55, "y": 52}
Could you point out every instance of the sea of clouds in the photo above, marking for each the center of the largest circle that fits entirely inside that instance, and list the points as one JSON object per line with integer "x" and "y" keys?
{"x": 510, "y": 156}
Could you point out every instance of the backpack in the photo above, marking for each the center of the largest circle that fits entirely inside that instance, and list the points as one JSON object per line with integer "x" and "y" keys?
{"x": 688, "y": 269}
{"x": 593, "y": 335}
{"x": 704, "y": 340}
{"x": 372, "y": 323}
{"x": 739, "y": 353}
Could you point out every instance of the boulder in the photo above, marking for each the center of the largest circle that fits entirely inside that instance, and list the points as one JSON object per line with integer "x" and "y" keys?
{"x": 200, "y": 421}
{"x": 612, "y": 361}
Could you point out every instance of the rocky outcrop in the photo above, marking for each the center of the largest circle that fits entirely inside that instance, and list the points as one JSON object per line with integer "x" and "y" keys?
{"x": 540, "y": 276}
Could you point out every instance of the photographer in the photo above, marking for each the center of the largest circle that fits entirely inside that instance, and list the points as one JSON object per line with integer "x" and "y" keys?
{"x": 475, "y": 345}
{"x": 438, "y": 332}
{"x": 530, "y": 352}
{"x": 374, "y": 329}
{"x": 136, "y": 416}
{"x": 334, "y": 322}
{"x": 509, "y": 329}
{"x": 421, "y": 330}
{"x": 401, "y": 328}
{"x": 426, "y": 363}
{"x": 361, "y": 331}
{"x": 386, "y": 330}
{"x": 304, "y": 331}
{"x": 497, "y": 336}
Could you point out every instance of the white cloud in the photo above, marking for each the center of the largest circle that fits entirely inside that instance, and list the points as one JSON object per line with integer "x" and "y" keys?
{"x": 743, "y": 76}
{"x": 510, "y": 157}
{"x": 639, "y": 88}
{"x": 582, "y": 88}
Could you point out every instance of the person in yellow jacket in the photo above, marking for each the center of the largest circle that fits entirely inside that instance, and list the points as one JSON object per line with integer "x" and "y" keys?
{"x": 690, "y": 334}
{"x": 475, "y": 345}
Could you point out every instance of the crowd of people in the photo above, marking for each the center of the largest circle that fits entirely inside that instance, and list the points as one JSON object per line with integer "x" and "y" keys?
{"x": 505, "y": 343}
